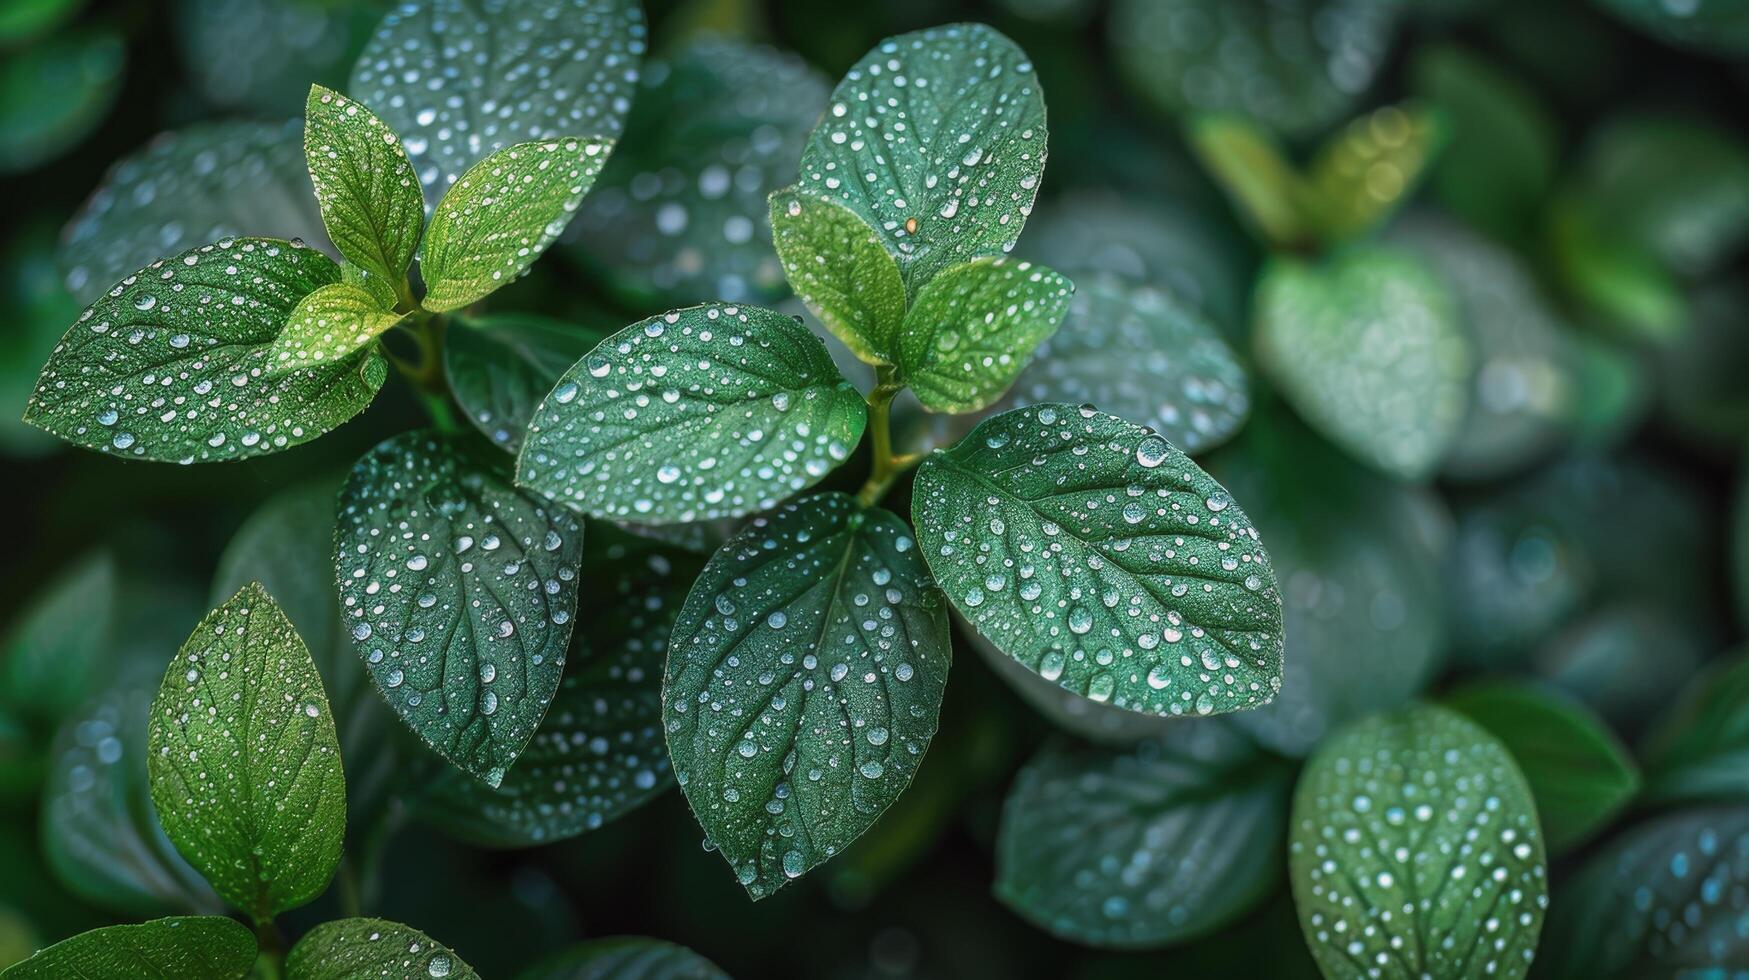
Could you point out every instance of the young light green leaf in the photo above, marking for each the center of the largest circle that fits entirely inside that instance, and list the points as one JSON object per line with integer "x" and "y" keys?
{"x": 372, "y": 949}
{"x": 680, "y": 210}
{"x": 1665, "y": 899}
{"x": 501, "y": 215}
{"x": 973, "y": 329}
{"x": 1368, "y": 349}
{"x": 1263, "y": 184}
{"x": 1145, "y": 846}
{"x": 839, "y": 266}
{"x": 186, "y": 188}
{"x": 1139, "y": 353}
{"x": 243, "y": 760}
{"x": 499, "y": 368}
{"x": 370, "y": 198}
{"x": 1414, "y": 846}
{"x": 625, "y": 958}
{"x": 1700, "y": 749}
{"x": 378, "y": 287}
{"x": 54, "y": 652}
{"x": 1093, "y": 552}
{"x": 1365, "y": 172}
{"x": 710, "y": 411}
{"x": 1579, "y": 773}
{"x": 534, "y": 70}
{"x": 328, "y": 325}
{"x": 804, "y": 678}
{"x": 459, "y": 592}
{"x": 192, "y": 947}
{"x": 937, "y": 140}
{"x": 172, "y": 363}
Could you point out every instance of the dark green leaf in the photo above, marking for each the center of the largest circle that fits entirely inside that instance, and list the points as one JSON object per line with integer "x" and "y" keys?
{"x": 243, "y": 760}
{"x": 840, "y": 267}
{"x": 258, "y": 56}
{"x": 1415, "y": 849}
{"x": 804, "y": 678}
{"x": 1368, "y": 348}
{"x": 372, "y": 949}
{"x": 459, "y": 592}
{"x": 1718, "y": 26}
{"x": 203, "y": 947}
{"x": 54, "y": 92}
{"x": 329, "y": 325}
{"x": 24, "y": 20}
{"x": 625, "y": 958}
{"x": 55, "y": 650}
{"x": 973, "y": 329}
{"x": 370, "y": 198}
{"x": 1093, "y": 552}
{"x": 500, "y": 367}
{"x": 1625, "y": 659}
{"x": 1700, "y": 750}
{"x": 1147, "y": 846}
{"x": 710, "y": 411}
{"x": 461, "y": 80}
{"x": 1365, "y": 172}
{"x": 172, "y": 363}
{"x": 1268, "y": 191}
{"x": 1579, "y": 773}
{"x": 950, "y": 123}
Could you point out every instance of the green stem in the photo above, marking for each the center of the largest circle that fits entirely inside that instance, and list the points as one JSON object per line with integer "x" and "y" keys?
{"x": 269, "y": 965}
{"x": 426, "y": 374}
{"x": 887, "y": 466}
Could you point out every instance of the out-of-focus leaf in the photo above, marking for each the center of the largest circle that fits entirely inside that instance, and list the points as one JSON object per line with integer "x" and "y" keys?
{"x": 1618, "y": 278}
{"x": 40, "y": 308}
{"x": 1615, "y": 391}
{"x": 23, "y": 20}
{"x": 1513, "y": 575}
{"x": 1700, "y": 749}
{"x": 55, "y": 651}
{"x": 1716, "y": 26}
{"x": 1700, "y": 374}
{"x": 262, "y": 55}
{"x": 53, "y": 93}
{"x": 353, "y": 949}
{"x": 206, "y": 947}
{"x": 17, "y": 939}
{"x": 1268, "y": 191}
{"x": 1368, "y": 169}
{"x": 625, "y": 958}
{"x": 1626, "y": 659}
{"x": 500, "y": 367}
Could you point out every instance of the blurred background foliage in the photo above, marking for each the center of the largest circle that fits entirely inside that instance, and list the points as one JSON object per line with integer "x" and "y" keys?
{"x": 1569, "y": 510}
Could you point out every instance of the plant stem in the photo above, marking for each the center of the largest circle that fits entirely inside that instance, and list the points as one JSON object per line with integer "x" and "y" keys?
{"x": 269, "y": 964}
{"x": 887, "y": 466}
{"x": 426, "y": 374}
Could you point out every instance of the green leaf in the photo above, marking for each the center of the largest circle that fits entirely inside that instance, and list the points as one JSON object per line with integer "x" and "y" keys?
{"x": 196, "y": 947}
{"x": 379, "y": 289}
{"x": 950, "y": 122}
{"x": 532, "y": 70}
{"x": 459, "y": 590}
{"x": 243, "y": 760}
{"x": 25, "y": 20}
{"x": 1700, "y": 748}
{"x": 186, "y": 188}
{"x": 599, "y": 754}
{"x": 1365, "y": 172}
{"x": 372, "y": 949}
{"x": 1093, "y": 552}
{"x": 804, "y": 678}
{"x": 499, "y": 368}
{"x": 1269, "y": 193}
{"x": 625, "y": 958}
{"x": 680, "y": 210}
{"x": 329, "y": 325}
{"x": 710, "y": 411}
{"x": 258, "y": 56}
{"x": 1579, "y": 773}
{"x": 1414, "y": 847}
{"x": 54, "y": 92}
{"x": 369, "y": 195}
{"x": 1674, "y": 186}
{"x": 1717, "y": 26}
{"x": 172, "y": 364}
{"x": 1146, "y": 846}
{"x": 55, "y": 651}
{"x": 840, "y": 267}
{"x": 501, "y": 215}
{"x": 1140, "y": 353}
{"x": 973, "y": 329}
{"x": 1367, "y": 348}
{"x": 1664, "y": 896}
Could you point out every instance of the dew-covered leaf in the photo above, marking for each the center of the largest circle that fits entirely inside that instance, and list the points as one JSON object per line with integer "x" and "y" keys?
{"x": 1368, "y": 169}
{"x": 839, "y": 266}
{"x": 1700, "y": 748}
{"x": 680, "y": 210}
{"x": 1295, "y": 67}
{"x": 804, "y": 678}
{"x": 711, "y": 411}
{"x": 329, "y": 325}
{"x": 1269, "y": 193}
{"x": 54, "y": 651}
{"x": 599, "y": 754}
{"x": 379, "y": 288}
{"x": 973, "y": 329}
{"x": 1368, "y": 348}
{"x": 193, "y": 947}
{"x": 372, "y": 949}
{"x": 370, "y": 198}
{"x": 1146, "y": 846}
{"x": 1139, "y": 353}
{"x": 460, "y": 80}
{"x": 1090, "y": 550}
{"x": 500, "y": 367}
{"x": 501, "y": 215}
{"x": 54, "y": 92}
{"x": 1668, "y": 895}
{"x": 936, "y": 139}
{"x": 244, "y": 764}
{"x": 172, "y": 363}
{"x": 625, "y": 958}
{"x": 459, "y": 591}
{"x": 185, "y": 188}
{"x": 1415, "y": 850}
{"x": 1579, "y": 773}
